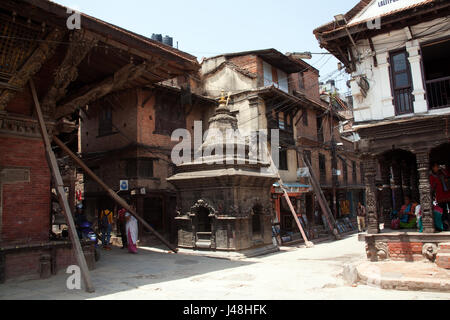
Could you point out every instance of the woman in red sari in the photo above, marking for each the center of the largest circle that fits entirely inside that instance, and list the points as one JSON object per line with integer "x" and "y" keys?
{"x": 440, "y": 184}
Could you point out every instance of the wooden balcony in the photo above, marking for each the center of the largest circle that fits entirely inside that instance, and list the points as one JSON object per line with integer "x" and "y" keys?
{"x": 438, "y": 93}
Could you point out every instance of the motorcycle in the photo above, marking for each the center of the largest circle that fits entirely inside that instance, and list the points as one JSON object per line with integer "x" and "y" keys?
{"x": 85, "y": 232}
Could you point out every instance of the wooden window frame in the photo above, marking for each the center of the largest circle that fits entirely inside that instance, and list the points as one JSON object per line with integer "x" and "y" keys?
{"x": 394, "y": 88}
{"x": 105, "y": 126}
{"x": 283, "y": 165}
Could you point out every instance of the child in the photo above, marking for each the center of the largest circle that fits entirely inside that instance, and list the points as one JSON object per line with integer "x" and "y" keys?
{"x": 418, "y": 212}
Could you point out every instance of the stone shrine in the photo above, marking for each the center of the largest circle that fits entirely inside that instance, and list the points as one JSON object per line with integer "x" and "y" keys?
{"x": 224, "y": 200}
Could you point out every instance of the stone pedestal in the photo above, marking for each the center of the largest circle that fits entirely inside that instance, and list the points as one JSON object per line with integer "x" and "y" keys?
{"x": 225, "y": 202}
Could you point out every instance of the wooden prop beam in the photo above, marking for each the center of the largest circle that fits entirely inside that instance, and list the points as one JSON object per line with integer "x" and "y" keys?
{"x": 308, "y": 243}
{"x": 81, "y": 44}
{"x": 121, "y": 202}
{"x": 34, "y": 63}
{"x": 322, "y": 200}
{"x": 51, "y": 158}
{"x": 116, "y": 82}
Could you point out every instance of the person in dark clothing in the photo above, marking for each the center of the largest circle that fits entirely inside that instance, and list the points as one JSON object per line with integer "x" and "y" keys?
{"x": 440, "y": 184}
{"x": 121, "y": 223}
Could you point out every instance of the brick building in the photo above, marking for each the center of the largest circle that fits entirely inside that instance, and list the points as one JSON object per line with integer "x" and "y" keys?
{"x": 71, "y": 69}
{"x": 397, "y": 54}
{"x": 271, "y": 90}
{"x": 127, "y": 136}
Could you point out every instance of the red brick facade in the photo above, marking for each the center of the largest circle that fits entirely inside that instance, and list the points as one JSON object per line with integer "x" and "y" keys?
{"x": 405, "y": 251}
{"x": 26, "y": 206}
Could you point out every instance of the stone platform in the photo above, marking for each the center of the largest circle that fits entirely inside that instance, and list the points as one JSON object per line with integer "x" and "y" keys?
{"x": 232, "y": 255}
{"x": 403, "y": 245}
{"x": 405, "y": 276}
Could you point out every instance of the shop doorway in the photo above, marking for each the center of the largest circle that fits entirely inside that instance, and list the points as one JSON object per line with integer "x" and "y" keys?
{"x": 256, "y": 222}
{"x": 154, "y": 212}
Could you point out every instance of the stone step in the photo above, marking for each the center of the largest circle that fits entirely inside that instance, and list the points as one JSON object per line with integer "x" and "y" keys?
{"x": 443, "y": 260}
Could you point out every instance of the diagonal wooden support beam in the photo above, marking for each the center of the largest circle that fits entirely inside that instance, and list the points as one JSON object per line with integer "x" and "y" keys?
{"x": 45, "y": 51}
{"x": 53, "y": 164}
{"x": 81, "y": 44}
{"x": 121, "y": 202}
{"x": 117, "y": 82}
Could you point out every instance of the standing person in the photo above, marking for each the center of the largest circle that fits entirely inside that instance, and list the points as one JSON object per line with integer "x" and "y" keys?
{"x": 106, "y": 220}
{"x": 418, "y": 213}
{"x": 361, "y": 216}
{"x": 132, "y": 232}
{"x": 440, "y": 185}
{"x": 121, "y": 222}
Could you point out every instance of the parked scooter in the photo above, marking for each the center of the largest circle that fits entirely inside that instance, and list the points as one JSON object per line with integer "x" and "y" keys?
{"x": 85, "y": 232}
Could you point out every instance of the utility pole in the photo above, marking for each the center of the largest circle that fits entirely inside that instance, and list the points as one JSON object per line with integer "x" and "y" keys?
{"x": 333, "y": 159}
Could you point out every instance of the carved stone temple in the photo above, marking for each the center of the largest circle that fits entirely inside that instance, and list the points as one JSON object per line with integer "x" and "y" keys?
{"x": 224, "y": 201}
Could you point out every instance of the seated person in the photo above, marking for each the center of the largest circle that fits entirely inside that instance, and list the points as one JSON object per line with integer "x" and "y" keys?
{"x": 407, "y": 215}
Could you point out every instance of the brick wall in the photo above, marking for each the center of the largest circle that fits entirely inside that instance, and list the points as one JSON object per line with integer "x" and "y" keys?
{"x": 124, "y": 118}
{"x": 307, "y": 134}
{"x": 26, "y": 265}
{"x": 311, "y": 81}
{"x": 26, "y": 206}
{"x": 136, "y": 120}
{"x": 249, "y": 62}
{"x": 409, "y": 251}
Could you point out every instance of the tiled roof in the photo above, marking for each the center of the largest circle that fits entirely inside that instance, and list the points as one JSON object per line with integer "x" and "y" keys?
{"x": 332, "y": 26}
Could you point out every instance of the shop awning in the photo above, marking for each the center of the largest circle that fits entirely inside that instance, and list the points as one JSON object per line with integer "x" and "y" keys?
{"x": 292, "y": 187}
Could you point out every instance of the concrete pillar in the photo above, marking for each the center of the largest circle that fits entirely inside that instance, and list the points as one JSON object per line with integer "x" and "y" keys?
{"x": 388, "y": 108}
{"x": 415, "y": 61}
{"x": 370, "y": 170}
{"x": 423, "y": 166}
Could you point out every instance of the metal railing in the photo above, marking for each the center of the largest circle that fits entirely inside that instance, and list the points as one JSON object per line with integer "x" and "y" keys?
{"x": 403, "y": 101}
{"x": 438, "y": 92}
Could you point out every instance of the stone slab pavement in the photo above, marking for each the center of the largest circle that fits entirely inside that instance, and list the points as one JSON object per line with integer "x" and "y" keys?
{"x": 293, "y": 273}
{"x": 404, "y": 275}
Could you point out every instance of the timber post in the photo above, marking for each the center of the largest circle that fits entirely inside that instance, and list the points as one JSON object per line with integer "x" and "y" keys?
{"x": 423, "y": 166}
{"x": 371, "y": 195}
{"x": 53, "y": 164}
{"x": 120, "y": 201}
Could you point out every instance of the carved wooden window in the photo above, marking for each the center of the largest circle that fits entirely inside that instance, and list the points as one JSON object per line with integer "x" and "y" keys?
{"x": 169, "y": 113}
{"x": 401, "y": 82}
{"x": 322, "y": 169}
{"x": 139, "y": 168}
{"x": 305, "y": 118}
{"x": 361, "y": 167}
{"x": 345, "y": 172}
{"x": 319, "y": 124}
{"x": 105, "y": 125}
{"x": 301, "y": 81}
{"x": 283, "y": 160}
{"x": 14, "y": 51}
